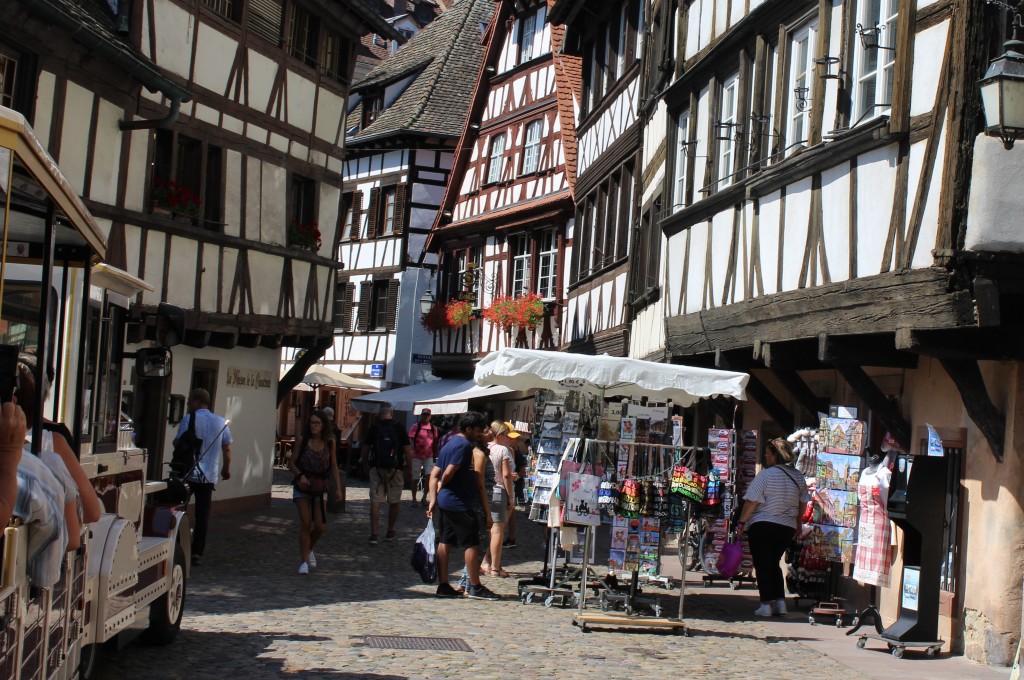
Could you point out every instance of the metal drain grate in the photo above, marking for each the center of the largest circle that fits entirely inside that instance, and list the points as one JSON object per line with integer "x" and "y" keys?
{"x": 427, "y": 643}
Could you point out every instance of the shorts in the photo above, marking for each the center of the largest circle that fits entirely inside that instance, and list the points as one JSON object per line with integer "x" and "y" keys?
{"x": 425, "y": 464}
{"x": 386, "y": 485}
{"x": 320, "y": 500}
{"x": 459, "y": 529}
{"x": 499, "y": 504}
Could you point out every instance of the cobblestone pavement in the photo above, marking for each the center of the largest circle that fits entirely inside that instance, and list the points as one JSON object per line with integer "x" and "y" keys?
{"x": 249, "y": 614}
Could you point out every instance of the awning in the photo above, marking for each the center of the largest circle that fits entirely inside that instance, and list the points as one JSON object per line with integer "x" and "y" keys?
{"x": 440, "y": 396}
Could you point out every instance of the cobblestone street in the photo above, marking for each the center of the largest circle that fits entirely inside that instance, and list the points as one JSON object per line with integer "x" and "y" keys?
{"x": 249, "y": 614}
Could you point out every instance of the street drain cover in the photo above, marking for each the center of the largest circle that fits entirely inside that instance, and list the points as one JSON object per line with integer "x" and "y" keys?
{"x": 428, "y": 643}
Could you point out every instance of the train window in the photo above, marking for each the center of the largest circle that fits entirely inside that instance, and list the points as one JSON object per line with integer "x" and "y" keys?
{"x": 107, "y": 403}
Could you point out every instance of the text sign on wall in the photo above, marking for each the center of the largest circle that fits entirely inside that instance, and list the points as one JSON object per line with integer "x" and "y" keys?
{"x": 249, "y": 378}
{"x": 376, "y": 370}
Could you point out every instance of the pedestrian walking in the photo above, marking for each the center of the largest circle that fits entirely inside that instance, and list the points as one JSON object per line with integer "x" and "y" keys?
{"x": 215, "y": 446}
{"x": 314, "y": 461}
{"x": 502, "y": 494}
{"x": 772, "y": 510}
{"x": 484, "y": 472}
{"x": 424, "y": 438}
{"x": 389, "y": 455}
{"x": 456, "y": 487}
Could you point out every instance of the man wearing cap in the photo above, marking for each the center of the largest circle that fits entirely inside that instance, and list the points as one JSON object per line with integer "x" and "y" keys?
{"x": 423, "y": 436}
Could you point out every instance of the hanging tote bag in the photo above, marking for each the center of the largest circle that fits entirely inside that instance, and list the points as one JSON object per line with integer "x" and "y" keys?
{"x": 581, "y": 505}
{"x": 730, "y": 559}
{"x": 628, "y": 504}
{"x": 688, "y": 483}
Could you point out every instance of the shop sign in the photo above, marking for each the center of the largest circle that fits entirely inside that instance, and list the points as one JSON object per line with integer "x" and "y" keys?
{"x": 249, "y": 378}
{"x": 572, "y": 383}
{"x": 376, "y": 370}
{"x": 422, "y": 358}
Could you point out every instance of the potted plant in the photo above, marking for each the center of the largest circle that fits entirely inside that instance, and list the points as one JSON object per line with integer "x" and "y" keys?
{"x": 304, "y": 235}
{"x": 170, "y": 198}
{"x": 459, "y": 313}
{"x": 508, "y": 311}
{"x": 436, "y": 319}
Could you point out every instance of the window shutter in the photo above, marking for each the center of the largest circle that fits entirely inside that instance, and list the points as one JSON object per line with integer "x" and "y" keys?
{"x": 356, "y": 215}
{"x": 400, "y": 192}
{"x": 266, "y": 18}
{"x": 392, "y": 312}
{"x": 373, "y": 217}
{"x": 365, "y": 302}
{"x": 347, "y": 296}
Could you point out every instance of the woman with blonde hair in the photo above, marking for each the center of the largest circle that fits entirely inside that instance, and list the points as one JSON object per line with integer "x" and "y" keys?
{"x": 500, "y": 451}
{"x": 772, "y": 510}
{"x": 314, "y": 462}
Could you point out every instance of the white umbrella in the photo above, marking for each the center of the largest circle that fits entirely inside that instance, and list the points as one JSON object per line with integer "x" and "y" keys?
{"x": 320, "y": 376}
{"x": 607, "y": 376}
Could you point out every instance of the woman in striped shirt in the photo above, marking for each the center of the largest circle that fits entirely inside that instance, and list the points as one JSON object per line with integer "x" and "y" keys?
{"x": 772, "y": 508}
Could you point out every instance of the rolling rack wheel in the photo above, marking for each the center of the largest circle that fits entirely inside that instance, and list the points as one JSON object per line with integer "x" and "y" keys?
{"x": 897, "y": 652}
{"x": 861, "y": 643}
{"x": 811, "y": 620}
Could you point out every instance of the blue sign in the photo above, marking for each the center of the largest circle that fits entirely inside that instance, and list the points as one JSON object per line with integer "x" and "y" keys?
{"x": 934, "y": 442}
{"x": 376, "y": 370}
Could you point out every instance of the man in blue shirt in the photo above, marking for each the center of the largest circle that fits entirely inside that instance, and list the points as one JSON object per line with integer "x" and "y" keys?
{"x": 213, "y": 432}
{"x": 457, "y": 487}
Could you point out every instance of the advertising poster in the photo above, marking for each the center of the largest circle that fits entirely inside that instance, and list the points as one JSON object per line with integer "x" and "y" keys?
{"x": 627, "y": 431}
{"x": 911, "y": 585}
{"x": 835, "y": 508}
{"x": 837, "y": 471}
{"x": 830, "y": 543}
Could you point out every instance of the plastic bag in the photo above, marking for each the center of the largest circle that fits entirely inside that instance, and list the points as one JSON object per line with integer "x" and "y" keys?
{"x": 424, "y": 556}
{"x": 730, "y": 559}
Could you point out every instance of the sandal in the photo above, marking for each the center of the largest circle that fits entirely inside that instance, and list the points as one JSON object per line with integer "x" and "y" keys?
{"x": 486, "y": 571}
{"x": 499, "y": 573}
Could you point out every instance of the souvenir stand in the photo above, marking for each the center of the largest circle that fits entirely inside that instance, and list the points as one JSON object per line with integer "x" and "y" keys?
{"x": 603, "y": 377}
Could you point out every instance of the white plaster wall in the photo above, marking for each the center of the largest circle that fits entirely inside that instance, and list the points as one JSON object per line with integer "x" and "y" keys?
{"x": 835, "y": 203}
{"x": 327, "y": 220}
{"x": 720, "y": 237}
{"x": 155, "y": 257}
{"x": 769, "y": 214}
{"x": 210, "y": 274}
{"x": 301, "y": 96}
{"x": 233, "y": 193}
{"x": 329, "y": 109}
{"x": 876, "y": 182}
{"x": 798, "y": 205}
{"x": 215, "y": 51}
{"x": 229, "y": 260}
{"x": 77, "y": 114}
{"x": 174, "y": 29}
{"x": 106, "y": 158}
{"x": 265, "y": 275}
{"x": 993, "y": 217}
{"x": 925, "y": 82}
{"x": 695, "y": 275}
{"x": 272, "y": 218}
{"x": 136, "y": 174}
{"x": 262, "y": 72}
{"x": 930, "y": 222}
{"x": 181, "y": 289}
{"x": 132, "y": 242}
{"x": 44, "y": 107}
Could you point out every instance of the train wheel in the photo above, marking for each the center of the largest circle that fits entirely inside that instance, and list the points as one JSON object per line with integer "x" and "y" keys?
{"x": 89, "y": 662}
{"x": 166, "y": 612}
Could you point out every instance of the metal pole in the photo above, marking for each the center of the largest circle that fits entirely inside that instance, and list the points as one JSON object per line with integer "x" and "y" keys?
{"x": 586, "y": 567}
{"x": 684, "y": 546}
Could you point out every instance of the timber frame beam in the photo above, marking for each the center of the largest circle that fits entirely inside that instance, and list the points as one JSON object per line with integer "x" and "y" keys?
{"x": 968, "y": 380}
{"x": 800, "y": 391}
{"x": 756, "y": 389}
{"x": 880, "y": 406}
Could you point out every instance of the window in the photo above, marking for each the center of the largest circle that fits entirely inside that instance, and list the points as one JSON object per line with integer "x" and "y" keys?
{"x": 352, "y": 205}
{"x": 727, "y": 131}
{"x": 193, "y": 166}
{"x": 302, "y": 199}
{"x": 265, "y": 18}
{"x": 373, "y": 105}
{"x": 531, "y": 149}
{"x": 622, "y": 42}
{"x": 334, "y": 60}
{"x": 682, "y": 165}
{"x": 229, "y": 9}
{"x": 497, "y": 152}
{"x": 547, "y": 264}
{"x": 519, "y": 248}
{"x": 302, "y": 35}
{"x": 528, "y": 37}
{"x": 801, "y": 80}
{"x": 875, "y": 66}
{"x": 378, "y": 305}
{"x": 8, "y": 78}
{"x": 387, "y": 210}
{"x": 343, "y": 303}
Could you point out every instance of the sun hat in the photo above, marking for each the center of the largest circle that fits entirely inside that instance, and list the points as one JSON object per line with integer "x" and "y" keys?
{"x": 511, "y": 434}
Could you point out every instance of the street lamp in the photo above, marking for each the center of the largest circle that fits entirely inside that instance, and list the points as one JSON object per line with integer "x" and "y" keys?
{"x": 426, "y": 303}
{"x": 1002, "y": 91}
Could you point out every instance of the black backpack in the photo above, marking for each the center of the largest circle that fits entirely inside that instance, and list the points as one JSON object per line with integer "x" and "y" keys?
{"x": 186, "y": 453}
{"x": 386, "y": 453}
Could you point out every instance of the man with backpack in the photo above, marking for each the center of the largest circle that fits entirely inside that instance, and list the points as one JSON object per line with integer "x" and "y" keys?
{"x": 424, "y": 447}
{"x": 389, "y": 455}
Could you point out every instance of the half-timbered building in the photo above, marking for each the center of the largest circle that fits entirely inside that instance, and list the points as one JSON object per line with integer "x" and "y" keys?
{"x": 400, "y": 151}
{"x": 836, "y": 224}
{"x": 506, "y": 222}
{"x": 609, "y": 39}
{"x": 207, "y": 140}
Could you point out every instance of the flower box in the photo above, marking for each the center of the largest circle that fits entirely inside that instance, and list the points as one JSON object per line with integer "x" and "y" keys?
{"x": 304, "y": 235}
{"x": 511, "y": 312}
{"x": 171, "y": 198}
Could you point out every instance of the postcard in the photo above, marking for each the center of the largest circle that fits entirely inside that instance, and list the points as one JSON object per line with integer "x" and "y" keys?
{"x": 571, "y": 422}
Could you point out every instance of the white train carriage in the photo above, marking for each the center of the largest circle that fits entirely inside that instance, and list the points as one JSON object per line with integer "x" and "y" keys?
{"x": 130, "y": 573}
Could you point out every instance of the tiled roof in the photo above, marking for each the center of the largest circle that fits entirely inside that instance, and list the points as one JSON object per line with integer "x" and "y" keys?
{"x": 446, "y": 55}
{"x": 568, "y": 82}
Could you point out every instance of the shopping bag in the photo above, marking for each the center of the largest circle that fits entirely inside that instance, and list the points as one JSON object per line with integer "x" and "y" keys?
{"x": 423, "y": 555}
{"x": 568, "y": 467}
{"x": 730, "y": 559}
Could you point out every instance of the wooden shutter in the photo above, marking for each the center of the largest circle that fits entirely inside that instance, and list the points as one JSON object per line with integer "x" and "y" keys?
{"x": 347, "y": 295}
{"x": 400, "y": 192}
{"x": 392, "y": 311}
{"x": 356, "y": 215}
{"x": 374, "y": 216}
{"x": 365, "y": 302}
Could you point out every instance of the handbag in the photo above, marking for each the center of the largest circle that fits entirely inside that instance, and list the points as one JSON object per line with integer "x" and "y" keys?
{"x": 423, "y": 555}
{"x": 314, "y": 486}
{"x": 730, "y": 559}
{"x": 688, "y": 483}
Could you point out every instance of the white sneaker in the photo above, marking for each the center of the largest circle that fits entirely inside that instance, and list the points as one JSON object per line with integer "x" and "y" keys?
{"x": 779, "y": 608}
{"x": 764, "y": 610}
{"x": 311, "y": 560}
{"x": 304, "y": 569}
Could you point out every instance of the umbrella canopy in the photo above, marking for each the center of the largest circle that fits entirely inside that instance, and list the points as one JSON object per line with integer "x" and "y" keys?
{"x": 320, "y": 376}
{"x": 445, "y": 396}
{"x": 607, "y": 376}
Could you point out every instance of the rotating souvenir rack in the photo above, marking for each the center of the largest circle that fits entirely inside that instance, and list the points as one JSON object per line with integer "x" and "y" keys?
{"x": 733, "y": 463}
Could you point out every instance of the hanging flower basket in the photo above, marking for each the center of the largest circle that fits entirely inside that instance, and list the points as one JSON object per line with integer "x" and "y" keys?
{"x": 436, "y": 319}
{"x": 458, "y": 313}
{"x": 304, "y": 235}
{"x": 526, "y": 311}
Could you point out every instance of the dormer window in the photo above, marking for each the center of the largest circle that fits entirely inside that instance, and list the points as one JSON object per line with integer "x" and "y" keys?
{"x": 373, "y": 106}
{"x": 494, "y": 163}
{"x": 528, "y": 38}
